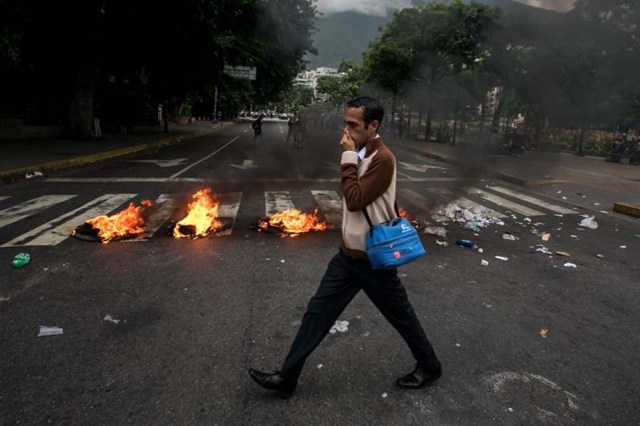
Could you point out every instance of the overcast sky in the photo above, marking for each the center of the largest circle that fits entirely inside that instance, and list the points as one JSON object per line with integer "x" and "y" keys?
{"x": 379, "y": 7}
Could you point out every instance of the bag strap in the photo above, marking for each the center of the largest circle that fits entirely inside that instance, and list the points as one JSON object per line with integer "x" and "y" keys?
{"x": 366, "y": 215}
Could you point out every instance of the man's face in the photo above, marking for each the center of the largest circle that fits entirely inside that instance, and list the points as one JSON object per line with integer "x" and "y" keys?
{"x": 354, "y": 124}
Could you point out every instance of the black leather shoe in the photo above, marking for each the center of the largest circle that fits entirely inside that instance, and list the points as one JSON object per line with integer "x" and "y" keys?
{"x": 274, "y": 382}
{"x": 419, "y": 377}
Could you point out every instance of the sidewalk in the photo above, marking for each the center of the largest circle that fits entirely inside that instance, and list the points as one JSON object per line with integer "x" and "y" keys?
{"x": 544, "y": 168}
{"x": 26, "y": 156}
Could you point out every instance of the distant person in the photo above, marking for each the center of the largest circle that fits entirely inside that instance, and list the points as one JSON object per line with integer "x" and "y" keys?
{"x": 97, "y": 115}
{"x": 291, "y": 124}
{"x": 368, "y": 170}
{"x": 257, "y": 130}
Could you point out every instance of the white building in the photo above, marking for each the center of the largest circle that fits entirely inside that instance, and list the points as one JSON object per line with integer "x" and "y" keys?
{"x": 309, "y": 78}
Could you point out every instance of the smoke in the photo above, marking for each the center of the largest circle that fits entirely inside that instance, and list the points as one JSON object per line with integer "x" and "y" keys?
{"x": 367, "y": 7}
{"x": 558, "y": 5}
{"x": 383, "y": 7}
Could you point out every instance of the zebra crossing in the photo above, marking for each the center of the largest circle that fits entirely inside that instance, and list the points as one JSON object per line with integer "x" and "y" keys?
{"x": 328, "y": 202}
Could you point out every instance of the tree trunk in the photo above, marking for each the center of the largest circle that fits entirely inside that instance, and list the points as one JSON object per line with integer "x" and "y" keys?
{"x": 581, "y": 141}
{"x": 455, "y": 126}
{"x": 409, "y": 121}
{"x": 495, "y": 122}
{"x": 428, "y": 131}
{"x": 80, "y": 123}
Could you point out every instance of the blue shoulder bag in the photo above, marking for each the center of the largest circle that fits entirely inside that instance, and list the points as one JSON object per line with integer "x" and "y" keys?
{"x": 393, "y": 243}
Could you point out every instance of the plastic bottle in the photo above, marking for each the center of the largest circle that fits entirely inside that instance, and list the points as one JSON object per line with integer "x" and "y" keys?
{"x": 465, "y": 243}
{"x": 21, "y": 260}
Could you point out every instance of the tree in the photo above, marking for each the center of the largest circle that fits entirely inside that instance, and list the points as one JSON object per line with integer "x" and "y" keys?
{"x": 427, "y": 46}
{"x": 341, "y": 89}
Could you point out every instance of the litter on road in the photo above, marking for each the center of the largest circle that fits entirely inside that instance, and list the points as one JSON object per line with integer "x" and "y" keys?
{"x": 546, "y": 236}
{"x": 589, "y": 222}
{"x": 484, "y": 262}
{"x": 21, "y": 260}
{"x": 508, "y": 236}
{"x": 563, "y": 253}
{"x": 570, "y": 265}
{"x": 435, "y": 230}
{"x": 465, "y": 243}
{"x": 49, "y": 331}
{"x": 543, "y": 250}
{"x": 502, "y": 258}
{"x": 543, "y": 333}
{"x": 442, "y": 243}
{"x": 110, "y": 318}
{"x": 339, "y": 326}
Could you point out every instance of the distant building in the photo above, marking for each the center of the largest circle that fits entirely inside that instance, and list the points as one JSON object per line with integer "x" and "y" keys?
{"x": 309, "y": 78}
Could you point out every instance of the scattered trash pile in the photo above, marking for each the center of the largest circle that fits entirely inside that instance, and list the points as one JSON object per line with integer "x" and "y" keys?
{"x": 468, "y": 218}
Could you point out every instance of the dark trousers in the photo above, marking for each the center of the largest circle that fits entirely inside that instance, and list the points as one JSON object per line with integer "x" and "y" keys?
{"x": 343, "y": 279}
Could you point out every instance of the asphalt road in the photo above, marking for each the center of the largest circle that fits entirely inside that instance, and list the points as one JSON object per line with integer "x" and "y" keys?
{"x": 194, "y": 315}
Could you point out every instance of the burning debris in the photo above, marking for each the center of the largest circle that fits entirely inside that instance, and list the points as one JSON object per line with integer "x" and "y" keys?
{"x": 126, "y": 224}
{"x": 201, "y": 219}
{"x": 292, "y": 222}
{"x": 419, "y": 224}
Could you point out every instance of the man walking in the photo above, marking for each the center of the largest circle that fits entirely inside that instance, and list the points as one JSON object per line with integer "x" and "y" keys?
{"x": 368, "y": 181}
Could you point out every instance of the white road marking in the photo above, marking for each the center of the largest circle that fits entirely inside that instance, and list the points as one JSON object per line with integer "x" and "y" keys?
{"x": 331, "y": 206}
{"x": 163, "y": 163}
{"x": 212, "y": 180}
{"x": 205, "y": 158}
{"x": 419, "y": 167}
{"x": 31, "y": 207}
{"x": 163, "y": 209}
{"x": 505, "y": 203}
{"x": 465, "y": 202}
{"x": 57, "y": 230}
{"x": 533, "y": 200}
{"x": 277, "y": 201}
{"x": 2, "y": 197}
{"x": 228, "y": 209}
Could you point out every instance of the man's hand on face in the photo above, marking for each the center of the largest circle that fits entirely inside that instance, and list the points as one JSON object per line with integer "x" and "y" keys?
{"x": 347, "y": 143}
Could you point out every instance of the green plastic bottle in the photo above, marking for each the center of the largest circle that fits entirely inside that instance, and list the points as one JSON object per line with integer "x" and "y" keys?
{"x": 21, "y": 260}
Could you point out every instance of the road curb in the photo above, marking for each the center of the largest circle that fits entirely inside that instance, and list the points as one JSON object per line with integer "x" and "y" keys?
{"x": 503, "y": 176}
{"x": 627, "y": 208}
{"x": 52, "y": 166}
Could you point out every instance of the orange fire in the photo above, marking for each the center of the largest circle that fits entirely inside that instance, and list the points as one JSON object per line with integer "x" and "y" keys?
{"x": 404, "y": 214}
{"x": 125, "y": 224}
{"x": 201, "y": 216}
{"x": 293, "y": 222}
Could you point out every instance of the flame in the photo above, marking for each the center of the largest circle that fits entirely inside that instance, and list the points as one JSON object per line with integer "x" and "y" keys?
{"x": 202, "y": 214}
{"x": 403, "y": 213}
{"x": 293, "y": 222}
{"x": 127, "y": 223}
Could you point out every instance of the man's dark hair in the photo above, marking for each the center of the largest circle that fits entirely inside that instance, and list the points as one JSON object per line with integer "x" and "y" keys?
{"x": 373, "y": 110}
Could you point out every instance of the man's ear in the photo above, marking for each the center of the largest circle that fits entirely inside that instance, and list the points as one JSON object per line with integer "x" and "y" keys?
{"x": 375, "y": 124}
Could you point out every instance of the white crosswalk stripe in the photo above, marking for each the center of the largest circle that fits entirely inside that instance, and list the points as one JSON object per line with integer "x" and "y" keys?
{"x": 228, "y": 210}
{"x": 330, "y": 204}
{"x": 163, "y": 208}
{"x": 533, "y": 200}
{"x": 31, "y": 207}
{"x": 505, "y": 203}
{"x": 57, "y": 230}
{"x": 277, "y": 201}
{"x": 467, "y": 203}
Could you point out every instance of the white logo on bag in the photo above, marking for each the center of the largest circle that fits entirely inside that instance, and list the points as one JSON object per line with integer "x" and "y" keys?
{"x": 405, "y": 228}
